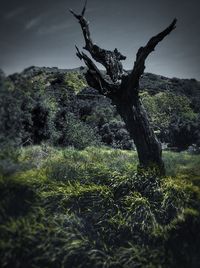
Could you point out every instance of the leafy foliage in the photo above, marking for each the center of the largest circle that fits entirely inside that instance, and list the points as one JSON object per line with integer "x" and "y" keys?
{"x": 76, "y": 133}
{"x": 75, "y": 81}
{"x": 173, "y": 118}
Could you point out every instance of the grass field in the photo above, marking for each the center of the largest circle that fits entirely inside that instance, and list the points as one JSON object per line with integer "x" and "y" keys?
{"x": 90, "y": 208}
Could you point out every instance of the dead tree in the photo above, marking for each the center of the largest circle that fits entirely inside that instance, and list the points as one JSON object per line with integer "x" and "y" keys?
{"x": 123, "y": 89}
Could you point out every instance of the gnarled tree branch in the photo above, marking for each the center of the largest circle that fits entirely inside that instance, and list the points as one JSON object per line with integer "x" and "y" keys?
{"x": 95, "y": 78}
{"x": 142, "y": 54}
{"x": 111, "y": 60}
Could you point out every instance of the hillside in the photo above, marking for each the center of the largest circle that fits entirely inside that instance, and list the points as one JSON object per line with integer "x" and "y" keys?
{"x": 51, "y": 104}
{"x": 188, "y": 87}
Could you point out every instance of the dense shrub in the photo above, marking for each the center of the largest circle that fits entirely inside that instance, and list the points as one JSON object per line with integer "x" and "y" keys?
{"x": 75, "y": 81}
{"x": 10, "y": 116}
{"x": 78, "y": 134}
{"x": 172, "y": 118}
{"x": 98, "y": 112}
{"x": 115, "y": 134}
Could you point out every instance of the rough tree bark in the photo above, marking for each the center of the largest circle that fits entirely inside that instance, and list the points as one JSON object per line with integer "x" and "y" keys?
{"x": 123, "y": 89}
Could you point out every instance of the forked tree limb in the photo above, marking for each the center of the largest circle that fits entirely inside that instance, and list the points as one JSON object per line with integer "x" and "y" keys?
{"x": 111, "y": 60}
{"x": 85, "y": 28}
{"x": 84, "y": 9}
{"x": 95, "y": 78}
{"x": 142, "y": 54}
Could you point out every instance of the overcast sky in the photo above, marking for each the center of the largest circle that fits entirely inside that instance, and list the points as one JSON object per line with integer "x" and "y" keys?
{"x": 43, "y": 33}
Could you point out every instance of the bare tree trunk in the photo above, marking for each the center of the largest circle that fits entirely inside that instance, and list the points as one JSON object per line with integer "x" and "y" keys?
{"x": 123, "y": 89}
{"x": 148, "y": 147}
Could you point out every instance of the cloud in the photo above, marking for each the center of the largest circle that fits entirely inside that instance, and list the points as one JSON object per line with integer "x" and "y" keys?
{"x": 33, "y": 23}
{"x": 14, "y": 13}
{"x": 53, "y": 28}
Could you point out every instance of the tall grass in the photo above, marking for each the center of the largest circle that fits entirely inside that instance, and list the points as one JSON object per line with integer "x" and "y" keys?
{"x": 90, "y": 208}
